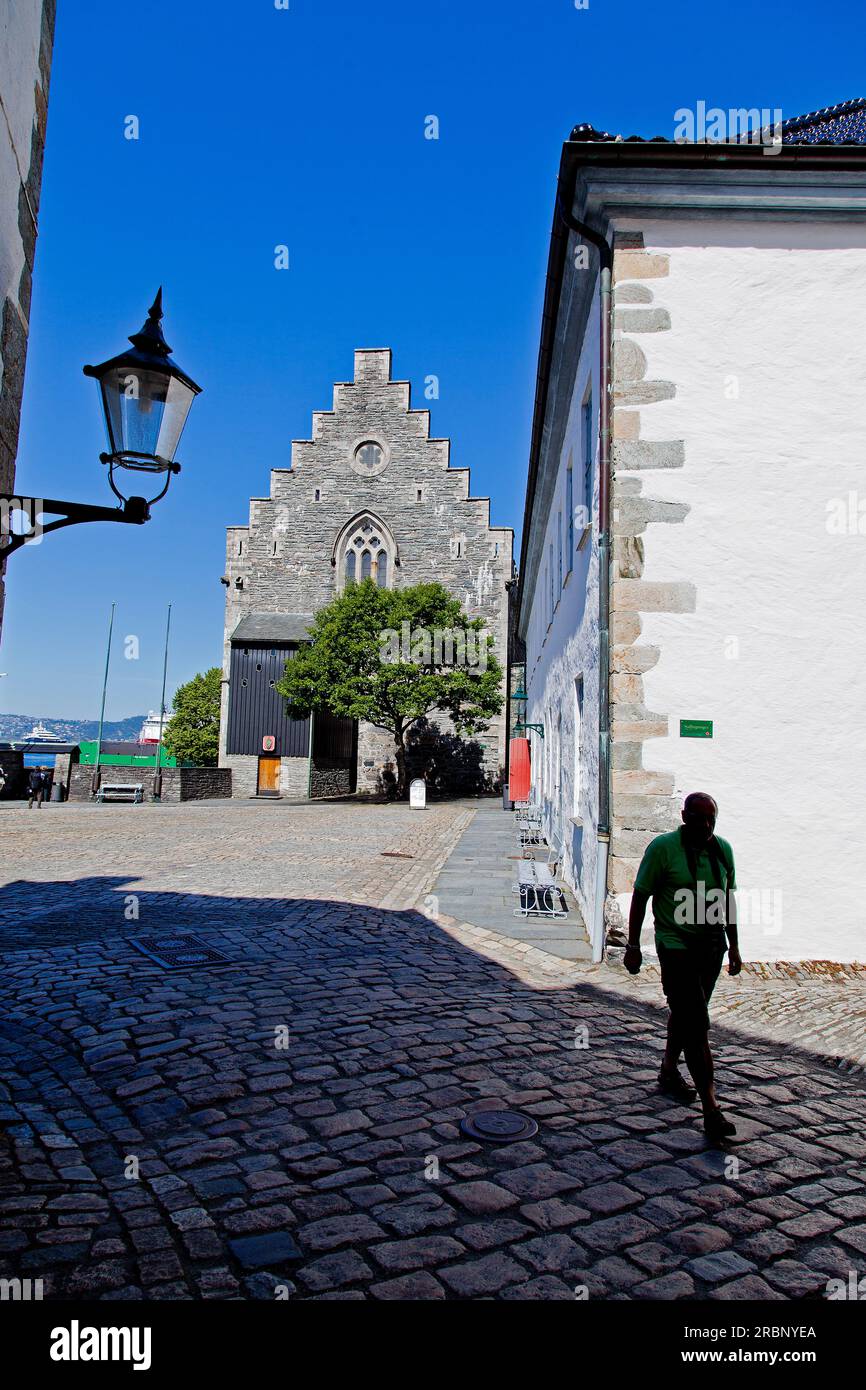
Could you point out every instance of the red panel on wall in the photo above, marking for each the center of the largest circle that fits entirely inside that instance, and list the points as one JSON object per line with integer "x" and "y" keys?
{"x": 518, "y": 770}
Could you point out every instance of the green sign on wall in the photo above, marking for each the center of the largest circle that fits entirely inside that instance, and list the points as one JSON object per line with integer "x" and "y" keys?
{"x": 696, "y": 728}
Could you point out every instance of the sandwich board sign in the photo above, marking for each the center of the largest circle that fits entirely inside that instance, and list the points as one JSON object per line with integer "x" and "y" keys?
{"x": 418, "y": 794}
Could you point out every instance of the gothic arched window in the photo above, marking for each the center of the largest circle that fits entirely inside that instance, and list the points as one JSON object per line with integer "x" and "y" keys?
{"x": 365, "y": 549}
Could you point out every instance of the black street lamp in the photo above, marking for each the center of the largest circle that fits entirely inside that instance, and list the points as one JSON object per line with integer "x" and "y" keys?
{"x": 146, "y": 399}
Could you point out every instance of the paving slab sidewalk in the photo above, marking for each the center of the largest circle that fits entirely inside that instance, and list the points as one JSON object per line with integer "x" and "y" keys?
{"x": 475, "y": 885}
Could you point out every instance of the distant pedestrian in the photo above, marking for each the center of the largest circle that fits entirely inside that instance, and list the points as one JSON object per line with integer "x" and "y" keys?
{"x": 37, "y": 784}
{"x": 690, "y": 876}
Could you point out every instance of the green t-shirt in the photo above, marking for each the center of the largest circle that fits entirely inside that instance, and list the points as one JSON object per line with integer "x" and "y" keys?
{"x": 682, "y": 915}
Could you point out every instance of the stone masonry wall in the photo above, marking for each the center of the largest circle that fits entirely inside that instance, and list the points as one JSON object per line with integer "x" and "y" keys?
{"x": 283, "y": 560}
{"x": 178, "y": 783}
{"x": 204, "y": 783}
{"x": 329, "y": 779}
{"x": 642, "y": 801}
{"x": 294, "y": 776}
{"x": 25, "y": 67}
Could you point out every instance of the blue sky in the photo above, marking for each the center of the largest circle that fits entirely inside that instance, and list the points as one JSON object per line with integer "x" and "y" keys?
{"x": 305, "y": 127}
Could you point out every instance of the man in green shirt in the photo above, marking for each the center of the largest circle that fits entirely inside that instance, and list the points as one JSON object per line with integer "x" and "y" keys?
{"x": 690, "y": 876}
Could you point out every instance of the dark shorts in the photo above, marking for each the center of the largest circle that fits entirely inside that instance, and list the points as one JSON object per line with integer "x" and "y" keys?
{"x": 688, "y": 980}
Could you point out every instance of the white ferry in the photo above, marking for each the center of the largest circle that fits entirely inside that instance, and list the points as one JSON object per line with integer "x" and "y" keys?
{"x": 149, "y": 732}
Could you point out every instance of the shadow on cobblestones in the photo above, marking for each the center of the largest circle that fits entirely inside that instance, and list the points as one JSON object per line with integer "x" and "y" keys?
{"x": 161, "y": 1141}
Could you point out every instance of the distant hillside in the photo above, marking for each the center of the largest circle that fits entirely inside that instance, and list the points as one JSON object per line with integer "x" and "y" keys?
{"x": 16, "y": 726}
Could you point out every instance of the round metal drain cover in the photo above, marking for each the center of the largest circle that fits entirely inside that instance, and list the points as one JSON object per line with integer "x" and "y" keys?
{"x": 498, "y": 1126}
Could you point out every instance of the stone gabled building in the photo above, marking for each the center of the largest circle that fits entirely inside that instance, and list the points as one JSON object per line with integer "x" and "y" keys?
{"x": 370, "y": 495}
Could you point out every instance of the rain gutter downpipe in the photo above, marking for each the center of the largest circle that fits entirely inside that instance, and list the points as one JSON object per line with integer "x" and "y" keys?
{"x": 600, "y": 242}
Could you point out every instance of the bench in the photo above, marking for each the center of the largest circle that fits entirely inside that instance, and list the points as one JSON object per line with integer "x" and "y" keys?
{"x": 540, "y": 895}
{"x": 121, "y": 791}
{"x": 529, "y": 830}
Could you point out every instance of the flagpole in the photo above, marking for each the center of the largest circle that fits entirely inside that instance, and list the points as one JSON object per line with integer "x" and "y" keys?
{"x": 157, "y": 780}
{"x": 94, "y": 783}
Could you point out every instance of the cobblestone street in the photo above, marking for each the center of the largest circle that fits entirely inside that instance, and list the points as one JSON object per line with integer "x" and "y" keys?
{"x": 286, "y": 1123}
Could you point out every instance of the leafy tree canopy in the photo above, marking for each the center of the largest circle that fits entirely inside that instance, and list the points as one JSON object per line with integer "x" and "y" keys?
{"x": 393, "y": 656}
{"x": 193, "y": 733}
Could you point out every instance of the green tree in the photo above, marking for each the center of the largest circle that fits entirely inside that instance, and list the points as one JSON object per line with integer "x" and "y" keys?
{"x": 192, "y": 735}
{"x": 393, "y": 656}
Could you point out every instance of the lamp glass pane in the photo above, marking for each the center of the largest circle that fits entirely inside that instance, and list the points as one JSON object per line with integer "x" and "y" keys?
{"x": 175, "y": 411}
{"x": 145, "y": 412}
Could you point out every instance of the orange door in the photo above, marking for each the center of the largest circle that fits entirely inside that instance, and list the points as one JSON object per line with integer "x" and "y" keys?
{"x": 518, "y": 770}
{"x": 269, "y": 776}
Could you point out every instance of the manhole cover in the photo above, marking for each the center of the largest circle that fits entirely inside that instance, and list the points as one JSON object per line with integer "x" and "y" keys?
{"x": 177, "y": 952}
{"x": 498, "y": 1126}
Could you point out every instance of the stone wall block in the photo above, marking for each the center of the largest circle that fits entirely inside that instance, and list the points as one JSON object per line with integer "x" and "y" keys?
{"x": 639, "y": 393}
{"x": 649, "y": 453}
{"x": 643, "y": 782}
{"x": 625, "y": 628}
{"x": 639, "y": 659}
{"x": 639, "y": 265}
{"x": 659, "y": 818}
{"x": 621, "y": 874}
{"x": 641, "y": 320}
{"x": 637, "y": 809}
{"x": 626, "y": 424}
{"x": 632, "y": 294}
{"x": 628, "y": 556}
{"x": 626, "y": 688}
{"x": 625, "y": 755}
{"x": 632, "y": 514}
{"x": 631, "y": 729}
{"x": 630, "y": 844}
{"x": 645, "y": 596}
{"x": 629, "y": 361}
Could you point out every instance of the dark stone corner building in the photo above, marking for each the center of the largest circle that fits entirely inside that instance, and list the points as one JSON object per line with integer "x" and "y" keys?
{"x": 371, "y": 494}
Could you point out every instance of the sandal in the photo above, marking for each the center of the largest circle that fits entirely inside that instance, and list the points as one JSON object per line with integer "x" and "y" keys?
{"x": 717, "y": 1127}
{"x": 673, "y": 1084}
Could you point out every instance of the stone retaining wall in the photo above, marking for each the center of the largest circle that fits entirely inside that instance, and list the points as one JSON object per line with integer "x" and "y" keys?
{"x": 178, "y": 783}
{"x": 328, "y": 778}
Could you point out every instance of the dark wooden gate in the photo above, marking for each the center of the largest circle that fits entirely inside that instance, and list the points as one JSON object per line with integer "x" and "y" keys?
{"x": 334, "y": 770}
